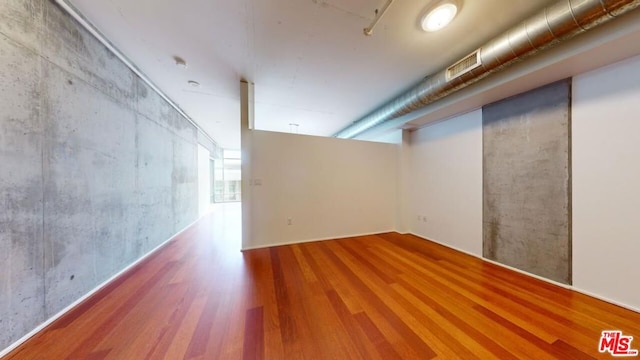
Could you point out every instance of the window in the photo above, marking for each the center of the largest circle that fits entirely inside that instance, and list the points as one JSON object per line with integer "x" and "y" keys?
{"x": 226, "y": 177}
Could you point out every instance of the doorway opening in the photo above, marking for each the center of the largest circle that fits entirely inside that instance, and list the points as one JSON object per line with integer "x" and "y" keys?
{"x": 226, "y": 184}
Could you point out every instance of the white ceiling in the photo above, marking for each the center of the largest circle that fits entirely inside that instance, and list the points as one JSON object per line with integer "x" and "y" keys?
{"x": 309, "y": 60}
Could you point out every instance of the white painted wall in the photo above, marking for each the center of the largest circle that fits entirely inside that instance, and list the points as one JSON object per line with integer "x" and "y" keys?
{"x": 445, "y": 179}
{"x": 330, "y": 188}
{"x": 333, "y": 188}
{"x": 204, "y": 180}
{"x": 606, "y": 182}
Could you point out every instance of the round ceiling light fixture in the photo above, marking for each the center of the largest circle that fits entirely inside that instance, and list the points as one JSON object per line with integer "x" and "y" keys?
{"x": 194, "y": 83}
{"x": 439, "y": 16}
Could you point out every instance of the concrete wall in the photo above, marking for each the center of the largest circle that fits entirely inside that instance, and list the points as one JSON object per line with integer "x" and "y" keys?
{"x": 96, "y": 169}
{"x": 526, "y": 182}
{"x": 606, "y": 178}
{"x": 329, "y": 188}
{"x": 445, "y": 176}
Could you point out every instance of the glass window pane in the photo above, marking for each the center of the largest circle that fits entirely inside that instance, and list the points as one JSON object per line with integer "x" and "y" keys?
{"x": 227, "y": 177}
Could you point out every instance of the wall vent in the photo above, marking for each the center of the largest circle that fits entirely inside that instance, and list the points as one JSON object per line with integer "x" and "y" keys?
{"x": 465, "y": 65}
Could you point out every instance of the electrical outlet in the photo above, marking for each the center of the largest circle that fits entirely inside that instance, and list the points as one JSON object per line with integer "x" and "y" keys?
{"x": 289, "y": 221}
{"x": 424, "y": 219}
{"x": 418, "y": 217}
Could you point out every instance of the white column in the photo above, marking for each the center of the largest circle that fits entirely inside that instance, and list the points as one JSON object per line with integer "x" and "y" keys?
{"x": 403, "y": 219}
{"x": 204, "y": 180}
{"x": 246, "y": 127}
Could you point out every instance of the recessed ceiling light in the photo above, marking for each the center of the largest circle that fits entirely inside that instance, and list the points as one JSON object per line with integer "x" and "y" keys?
{"x": 194, "y": 83}
{"x": 440, "y": 16}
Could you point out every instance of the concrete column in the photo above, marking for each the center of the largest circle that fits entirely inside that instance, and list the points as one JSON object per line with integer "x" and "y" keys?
{"x": 526, "y": 181}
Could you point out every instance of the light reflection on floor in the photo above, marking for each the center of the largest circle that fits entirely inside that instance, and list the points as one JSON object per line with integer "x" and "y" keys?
{"x": 226, "y": 226}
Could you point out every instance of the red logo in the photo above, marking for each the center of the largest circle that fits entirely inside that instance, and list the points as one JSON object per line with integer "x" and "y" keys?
{"x": 614, "y": 342}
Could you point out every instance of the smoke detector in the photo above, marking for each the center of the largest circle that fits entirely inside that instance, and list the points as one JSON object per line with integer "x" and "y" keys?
{"x": 180, "y": 62}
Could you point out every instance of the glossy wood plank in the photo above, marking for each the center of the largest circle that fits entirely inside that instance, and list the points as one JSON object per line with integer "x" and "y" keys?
{"x": 388, "y": 296}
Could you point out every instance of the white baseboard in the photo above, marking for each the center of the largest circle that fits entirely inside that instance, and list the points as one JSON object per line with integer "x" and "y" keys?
{"x": 91, "y": 293}
{"x": 599, "y": 297}
{"x": 312, "y": 240}
{"x": 569, "y": 287}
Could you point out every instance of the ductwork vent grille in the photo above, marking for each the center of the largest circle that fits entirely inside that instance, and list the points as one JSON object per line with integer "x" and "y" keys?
{"x": 464, "y": 66}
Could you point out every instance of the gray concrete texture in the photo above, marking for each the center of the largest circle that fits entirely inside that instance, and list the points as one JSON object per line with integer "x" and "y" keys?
{"x": 526, "y": 165}
{"x": 96, "y": 169}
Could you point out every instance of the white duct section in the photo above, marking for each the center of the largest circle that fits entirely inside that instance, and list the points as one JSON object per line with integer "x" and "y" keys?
{"x": 551, "y": 26}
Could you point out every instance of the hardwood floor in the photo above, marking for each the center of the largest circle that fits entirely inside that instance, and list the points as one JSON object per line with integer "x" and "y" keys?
{"x": 388, "y": 296}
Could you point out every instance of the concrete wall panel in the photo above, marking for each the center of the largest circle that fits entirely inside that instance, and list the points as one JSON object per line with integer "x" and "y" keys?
{"x": 72, "y": 48}
{"x": 153, "y": 184}
{"x": 185, "y": 182}
{"x": 89, "y": 178}
{"x": 526, "y": 182}
{"x": 21, "y": 21}
{"x": 96, "y": 169}
{"x": 21, "y": 191}
{"x": 151, "y": 105}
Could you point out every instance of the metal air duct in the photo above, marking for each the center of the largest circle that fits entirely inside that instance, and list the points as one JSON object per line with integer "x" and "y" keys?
{"x": 551, "y": 26}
